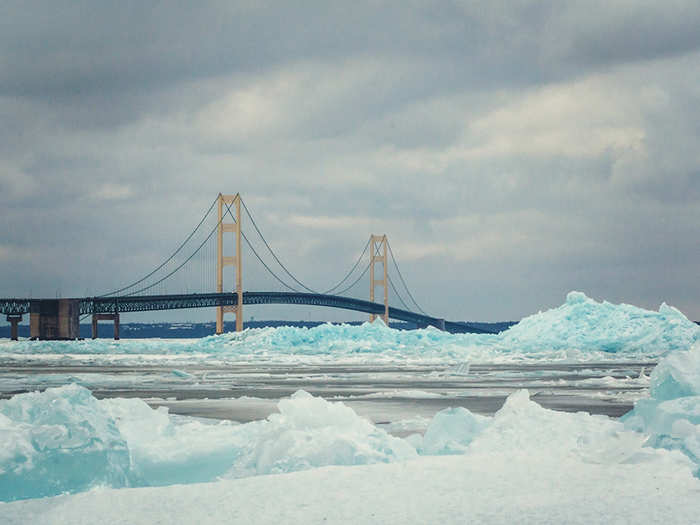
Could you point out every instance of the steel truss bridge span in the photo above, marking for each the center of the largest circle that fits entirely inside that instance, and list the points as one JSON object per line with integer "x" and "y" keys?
{"x": 144, "y": 303}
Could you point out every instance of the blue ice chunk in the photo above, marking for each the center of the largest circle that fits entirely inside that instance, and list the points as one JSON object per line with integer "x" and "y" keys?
{"x": 64, "y": 440}
{"x": 677, "y": 375}
{"x": 181, "y": 374}
{"x": 311, "y": 432}
{"x": 58, "y": 441}
{"x": 671, "y": 416}
{"x": 452, "y": 430}
{"x": 585, "y": 324}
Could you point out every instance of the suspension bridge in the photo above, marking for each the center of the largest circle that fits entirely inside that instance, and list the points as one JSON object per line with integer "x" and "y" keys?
{"x": 193, "y": 276}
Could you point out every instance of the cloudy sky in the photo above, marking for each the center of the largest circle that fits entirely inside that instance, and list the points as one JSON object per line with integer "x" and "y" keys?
{"x": 512, "y": 151}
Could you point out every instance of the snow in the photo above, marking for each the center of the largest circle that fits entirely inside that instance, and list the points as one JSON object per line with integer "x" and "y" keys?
{"x": 400, "y": 394}
{"x": 311, "y": 432}
{"x": 522, "y": 426}
{"x": 127, "y": 443}
{"x": 526, "y": 464}
{"x": 484, "y": 488}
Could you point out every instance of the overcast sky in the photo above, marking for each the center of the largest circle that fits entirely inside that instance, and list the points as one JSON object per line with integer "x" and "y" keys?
{"x": 511, "y": 151}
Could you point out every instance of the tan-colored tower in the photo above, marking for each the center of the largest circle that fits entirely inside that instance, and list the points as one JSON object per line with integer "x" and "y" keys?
{"x": 234, "y": 260}
{"x": 377, "y": 254}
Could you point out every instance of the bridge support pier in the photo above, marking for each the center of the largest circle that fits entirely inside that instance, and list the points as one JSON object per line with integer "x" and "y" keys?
{"x": 105, "y": 317}
{"x": 54, "y": 319}
{"x": 14, "y": 320}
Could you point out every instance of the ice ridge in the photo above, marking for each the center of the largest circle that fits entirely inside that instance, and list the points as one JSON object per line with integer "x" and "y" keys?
{"x": 65, "y": 440}
{"x": 579, "y": 327}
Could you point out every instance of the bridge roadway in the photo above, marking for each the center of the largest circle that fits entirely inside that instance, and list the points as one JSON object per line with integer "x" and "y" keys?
{"x": 143, "y": 303}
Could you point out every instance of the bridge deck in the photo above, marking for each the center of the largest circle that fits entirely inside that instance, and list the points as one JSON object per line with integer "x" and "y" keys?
{"x": 101, "y": 305}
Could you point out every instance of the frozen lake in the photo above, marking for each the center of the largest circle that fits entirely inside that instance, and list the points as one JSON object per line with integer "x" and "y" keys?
{"x": 540, "y": 401}
{"x": 401, "y": 398}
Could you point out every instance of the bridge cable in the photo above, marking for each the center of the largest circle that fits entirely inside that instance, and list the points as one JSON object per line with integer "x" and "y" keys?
{"x": 250, "y": 216}
{"x": 169, "y": 258}
{"x": 391, "y": 283}
{"x": 402, "y": 279}
{"x": 267, "y": 267}
{"x": 281, "y": 281}
{"x": 252, "y": 220}
{"x": 250, "y": 245}
{"x": 186, "y": 260}
{"x": 227, "y": 212}
{"x": 355, "y": 281}
{"x": 351, "y": 270}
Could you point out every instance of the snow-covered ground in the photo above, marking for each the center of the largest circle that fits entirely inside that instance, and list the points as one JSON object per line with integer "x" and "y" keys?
{"x": 68, "y": 457}
{"x": 524, "y": 465}
{"x": 484, "y": 488}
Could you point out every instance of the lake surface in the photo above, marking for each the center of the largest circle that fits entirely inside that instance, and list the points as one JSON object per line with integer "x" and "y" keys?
{"x": 400, "y": 398}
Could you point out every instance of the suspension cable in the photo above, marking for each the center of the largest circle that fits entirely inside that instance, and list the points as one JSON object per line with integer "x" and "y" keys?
{"x": 280, "y": 280}
{"x": 351, "y": 269}
{"x": 228, "y": 210}
{"x": 250, "y": 216}
{"x": 266, "y": 266}
{"x": 398, "y": 295}
{"x": 169, "y": 258}
{"x": 402, "y": 279}
{"x": 250, "y": 245}
{"x": 355, "y": 281}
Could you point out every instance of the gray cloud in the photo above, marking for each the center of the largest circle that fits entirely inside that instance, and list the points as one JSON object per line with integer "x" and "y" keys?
{"x": 512, "y": 150}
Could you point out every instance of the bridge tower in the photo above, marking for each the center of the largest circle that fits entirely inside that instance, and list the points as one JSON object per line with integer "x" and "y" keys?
{"x": 377, "y": 253}
{"x": 234, "y": 260}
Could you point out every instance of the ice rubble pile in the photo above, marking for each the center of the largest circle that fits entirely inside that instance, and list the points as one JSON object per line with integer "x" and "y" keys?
{"x": 671, "y": 415}
{"x": 668, "y": 420}
{"x": 286, "y": 342}
{"x": 59, "y": 440}
{"x": 64, "y": 440}
{"x": 581, "y": 324}
{"x": 523, "y": 427}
